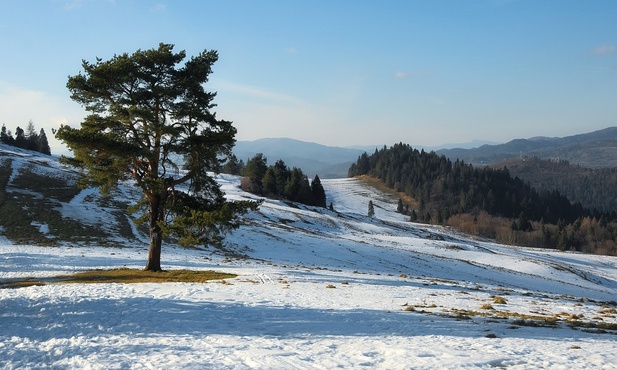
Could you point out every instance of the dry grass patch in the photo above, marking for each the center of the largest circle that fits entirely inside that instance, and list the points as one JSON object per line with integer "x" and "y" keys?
{"x": 499, "y": 300}
{"x": 129, "y": 276}
{"x": 21, "y": 283}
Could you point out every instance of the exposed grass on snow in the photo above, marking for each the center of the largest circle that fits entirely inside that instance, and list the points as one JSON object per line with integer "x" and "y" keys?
{"x": 519, "y": 319}
{"x": 126, "y": 276}
{"x": 50, "y": 187}
{"x": 34, "y": 199}
{"x": 24, "y": 283}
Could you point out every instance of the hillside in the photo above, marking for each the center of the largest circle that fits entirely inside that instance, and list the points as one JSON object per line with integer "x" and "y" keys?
{"x": 489, "y": 202}
{"x": 594, "y": 188}
{"x": 40, "y": 203}
{"x": 316, "y": 289}
{"x": 593, "y": 150}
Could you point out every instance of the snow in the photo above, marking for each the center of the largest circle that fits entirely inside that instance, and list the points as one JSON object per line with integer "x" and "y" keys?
{"x": 318, "y": 289}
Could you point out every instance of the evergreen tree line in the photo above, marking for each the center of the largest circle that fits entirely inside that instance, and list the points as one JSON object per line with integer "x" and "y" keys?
{"x": 29, "y": 139}
{"x": 277, "y": 180}
{"x": 594, "y": 188}
{"x": 444, "y": 189}
{"x": 451, "y": 188}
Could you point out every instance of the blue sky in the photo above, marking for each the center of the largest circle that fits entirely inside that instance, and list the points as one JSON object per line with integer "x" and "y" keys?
{"x": 338, "y": 72}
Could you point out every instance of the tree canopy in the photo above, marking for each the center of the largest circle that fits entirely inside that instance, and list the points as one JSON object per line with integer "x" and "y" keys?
{"x": 151, "y": 121}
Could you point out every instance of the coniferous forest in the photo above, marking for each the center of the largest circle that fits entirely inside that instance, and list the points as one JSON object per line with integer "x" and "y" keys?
{"x": 486, "y": 201}
{"x": 594, "y": 188}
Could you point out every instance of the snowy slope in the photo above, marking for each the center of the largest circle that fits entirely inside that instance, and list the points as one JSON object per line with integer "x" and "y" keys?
{"x": 44, "y": 204}
{"x": 317, "y": 289}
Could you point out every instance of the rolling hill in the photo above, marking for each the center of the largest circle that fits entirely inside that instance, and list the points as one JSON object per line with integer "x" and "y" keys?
{"x": 316, "y": 288}
{"x": 594, "y": 149}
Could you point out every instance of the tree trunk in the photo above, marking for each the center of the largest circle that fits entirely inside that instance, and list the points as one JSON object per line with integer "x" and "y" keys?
{"x": 156, "y": 237}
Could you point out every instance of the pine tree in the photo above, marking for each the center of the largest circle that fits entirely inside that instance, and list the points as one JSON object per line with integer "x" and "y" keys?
{"x": 233, "y": 166}
{"x": 304, "y": 192}
{"x": 371, "y": 209}
{"x": 42, "y": 143}
{"x": 319, "y": 194}
{"x": 150, "y": 115}
{"x": 400, "y": 208}
{"x": 292, "y": 187}
{"x": 32, "y": 138}
{"x": 269, "y": 182}
{"x": 282, "y": 174}
{"x": 20, "y": 138}
{"x": 4, "y": 136}
{"x": 255, "y": 169}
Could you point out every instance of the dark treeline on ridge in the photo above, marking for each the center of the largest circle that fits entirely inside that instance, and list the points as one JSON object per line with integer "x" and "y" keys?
{"x": 444, "y": 192}
{"x": 28, "y": 139}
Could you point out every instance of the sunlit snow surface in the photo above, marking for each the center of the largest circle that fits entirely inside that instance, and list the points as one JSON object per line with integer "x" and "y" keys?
{"x": 318, "y": 289}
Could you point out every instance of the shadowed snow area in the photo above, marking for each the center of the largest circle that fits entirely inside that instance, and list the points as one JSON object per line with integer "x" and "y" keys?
{"x": 317, "y": 289}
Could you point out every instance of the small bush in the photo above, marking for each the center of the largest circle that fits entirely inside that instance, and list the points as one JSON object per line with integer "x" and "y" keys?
{"x": 499, "y": 300}
{"x": 486, "y": 306}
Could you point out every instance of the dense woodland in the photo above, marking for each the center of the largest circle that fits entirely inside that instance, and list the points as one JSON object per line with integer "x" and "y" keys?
{"x": 277, "y": 181}
{"x": 594, "y": 188}
{"x": 28, "y": 139}
{"x": 487, "y": 201}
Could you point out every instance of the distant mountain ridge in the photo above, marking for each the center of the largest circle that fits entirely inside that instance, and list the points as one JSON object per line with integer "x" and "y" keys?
{"x": 594, "y": 149}
{"x": 326, "y": 161}
{"x": 312, "y": 158}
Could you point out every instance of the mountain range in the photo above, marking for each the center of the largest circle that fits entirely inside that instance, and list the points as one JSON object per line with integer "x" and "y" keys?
{"x": 594, "y": 149}
{"x": 312, "y": 158}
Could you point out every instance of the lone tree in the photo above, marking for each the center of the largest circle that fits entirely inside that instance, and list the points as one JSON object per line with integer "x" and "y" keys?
{"x": 151, "y": 121}
{"x": 371, "y": 209}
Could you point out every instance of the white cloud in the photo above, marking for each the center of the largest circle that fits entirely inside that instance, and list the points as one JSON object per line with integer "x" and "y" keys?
{"x": 401, "y": 74}
{"x": 604, "y": 50}
{"x": 19, "y": 105}
{"x": 255, "y": 92}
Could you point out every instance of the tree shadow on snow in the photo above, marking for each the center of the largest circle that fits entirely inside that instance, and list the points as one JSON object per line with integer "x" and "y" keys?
{"x": 38, "y": 319}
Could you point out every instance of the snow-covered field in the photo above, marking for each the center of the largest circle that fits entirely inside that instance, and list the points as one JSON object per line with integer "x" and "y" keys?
{"x": 317, "y": 290}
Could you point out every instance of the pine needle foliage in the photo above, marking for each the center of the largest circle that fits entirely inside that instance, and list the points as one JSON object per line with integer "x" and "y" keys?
{"x": 151, "y": 121}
